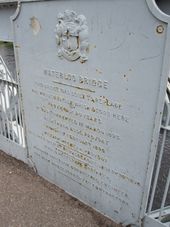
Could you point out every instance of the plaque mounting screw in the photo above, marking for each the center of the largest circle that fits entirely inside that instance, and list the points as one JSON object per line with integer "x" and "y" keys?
{"x": 160, "y": 29}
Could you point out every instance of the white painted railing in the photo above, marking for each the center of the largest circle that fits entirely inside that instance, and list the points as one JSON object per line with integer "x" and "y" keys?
{"x": 162, "y": 215}
{"x": 11, "y": 124}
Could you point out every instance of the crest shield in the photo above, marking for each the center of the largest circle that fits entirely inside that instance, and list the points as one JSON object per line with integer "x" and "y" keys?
{"x": 72, "y": 36}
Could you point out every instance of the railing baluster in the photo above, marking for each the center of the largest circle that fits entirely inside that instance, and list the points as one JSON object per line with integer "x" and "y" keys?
{"x": 157, "y": 172}
{"x": 165, "y": 195}
{"x": 165, "y": 129}
{"x": 10, "y": 107}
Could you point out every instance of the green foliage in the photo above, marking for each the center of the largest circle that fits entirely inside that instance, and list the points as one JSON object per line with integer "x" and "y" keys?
{"x": 6, "y": 44}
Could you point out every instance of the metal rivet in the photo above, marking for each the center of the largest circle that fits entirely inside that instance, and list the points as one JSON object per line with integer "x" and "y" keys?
{"x": 160, "y": 29}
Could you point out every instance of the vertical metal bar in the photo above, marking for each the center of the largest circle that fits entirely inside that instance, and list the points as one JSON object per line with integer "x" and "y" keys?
{"x": 2, "y": 114}
{"x": 19, "y": 109}
{"x": 21, "y": 126}
{"x": 13, "y": 139}
{"x": 2, "y": 117}
{"x": 21, "y": 122}
{"x": 8, "y": 96}
{"x": 5, "y": 102}
{"x": 0, "y": 124}
{"x": 165, "y": 195}
{"x": 13, "y": 114}
{"x": 17, "y": 125}
{"x": 10, "y": 115}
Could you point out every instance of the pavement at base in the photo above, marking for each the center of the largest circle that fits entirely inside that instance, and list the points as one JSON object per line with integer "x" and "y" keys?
{"x": 27, "y": 200}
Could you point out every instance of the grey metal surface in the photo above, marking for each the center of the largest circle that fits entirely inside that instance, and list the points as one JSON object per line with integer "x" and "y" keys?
{"x": 150, "y": 222}
{"x": 93, "y": 126}
{"x": 6, "y": 11}
{"x": 8, "y": 2}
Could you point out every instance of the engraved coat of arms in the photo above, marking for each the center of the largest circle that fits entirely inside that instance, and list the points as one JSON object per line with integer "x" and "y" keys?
{"x": 72, "y": 36}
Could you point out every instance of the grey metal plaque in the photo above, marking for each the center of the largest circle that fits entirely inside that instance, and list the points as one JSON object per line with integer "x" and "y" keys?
{"x": 93, "y": 77}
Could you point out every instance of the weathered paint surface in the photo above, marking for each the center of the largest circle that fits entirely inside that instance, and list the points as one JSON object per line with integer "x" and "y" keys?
{"x": 6, "y": 11}
{"x": 90, "y": 124}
